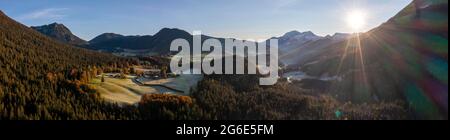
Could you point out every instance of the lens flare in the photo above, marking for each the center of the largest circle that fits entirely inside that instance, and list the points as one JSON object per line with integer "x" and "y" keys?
{"x": 356, "y": 20}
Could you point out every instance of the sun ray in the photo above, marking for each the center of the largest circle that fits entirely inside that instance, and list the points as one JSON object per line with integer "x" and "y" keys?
{"x": 362, "y": 64}
{"x": 343, "y": 56}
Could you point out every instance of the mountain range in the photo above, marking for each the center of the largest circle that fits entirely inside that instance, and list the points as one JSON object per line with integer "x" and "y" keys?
{"x": 145, "y": 45}
{"x": 159, "y": 43}
{"x": 156, "y": 44}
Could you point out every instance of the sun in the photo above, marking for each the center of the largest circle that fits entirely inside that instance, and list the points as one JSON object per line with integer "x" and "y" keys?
{"x": 356, "y": 20}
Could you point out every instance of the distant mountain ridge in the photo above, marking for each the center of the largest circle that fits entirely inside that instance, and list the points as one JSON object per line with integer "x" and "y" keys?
{"x": 105, "y": 37}
{"x": 61, "y": 33}
{"x": 295, "y": 40}
{"x": 142, "y": 45}
{"x": 339, "y": 36}
{"x": 296, "y": 37}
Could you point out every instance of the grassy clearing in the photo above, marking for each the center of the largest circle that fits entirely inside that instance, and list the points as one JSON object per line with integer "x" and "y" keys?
{"x": 128, "y": 92}
{"x": 182, "y": 82}
{"x": 122, "y": 90}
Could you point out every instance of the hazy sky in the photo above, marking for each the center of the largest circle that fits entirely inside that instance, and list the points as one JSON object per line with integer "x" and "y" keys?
{"x": 244, "y": 19}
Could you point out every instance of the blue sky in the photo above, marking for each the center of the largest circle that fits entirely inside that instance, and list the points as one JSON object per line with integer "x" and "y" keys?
{"x": 244, "y": 19}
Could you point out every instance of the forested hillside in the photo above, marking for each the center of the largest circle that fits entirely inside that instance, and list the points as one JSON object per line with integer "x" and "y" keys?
{"x": 43, "y": 79}
{"x": 404, "y": 58}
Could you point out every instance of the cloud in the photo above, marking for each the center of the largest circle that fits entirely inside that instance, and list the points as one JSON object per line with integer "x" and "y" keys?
{"x": 49, "y": 13}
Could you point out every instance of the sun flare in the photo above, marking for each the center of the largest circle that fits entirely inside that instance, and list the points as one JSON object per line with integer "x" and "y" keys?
{"x": 356, "y": 20}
